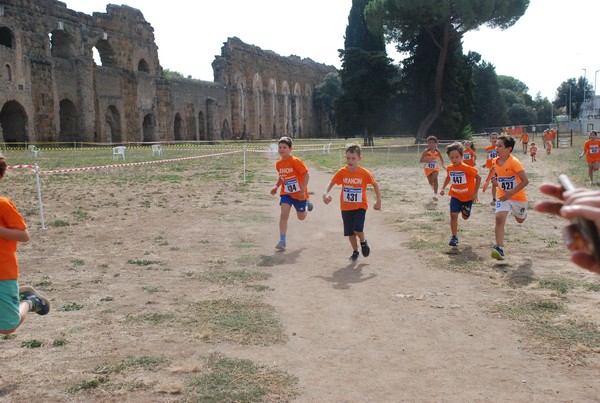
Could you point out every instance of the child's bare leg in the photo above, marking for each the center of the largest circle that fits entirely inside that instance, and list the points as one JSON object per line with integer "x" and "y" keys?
{"x": 353, "y": 241}
{"x": 301, "y": 214}
{"x": 283, "y": 218}
{"x": 499, "y": 228}
{"x": 494, "y": 186}
{"x": 434, "y": 179}
{"x": 454, "y": 223}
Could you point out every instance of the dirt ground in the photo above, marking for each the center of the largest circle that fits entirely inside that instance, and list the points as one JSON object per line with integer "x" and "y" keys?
{"x": 414, "y": 321}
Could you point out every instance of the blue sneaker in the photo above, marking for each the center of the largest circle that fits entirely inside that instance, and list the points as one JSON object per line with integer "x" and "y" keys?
{"x": 37, "y": 302}
{"x": 309, "y": 206}
{"x": 498, "y": 253}
{"x": 453, "y": 241}
{"x": 280, "y": 245}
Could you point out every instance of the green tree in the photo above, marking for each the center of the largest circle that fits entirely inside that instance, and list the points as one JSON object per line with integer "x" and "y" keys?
{"x": 490, "y": 109}
{"x": 402, "y": 20}
{"x": 366, "y": 75}
{"x": 326, "y": 94}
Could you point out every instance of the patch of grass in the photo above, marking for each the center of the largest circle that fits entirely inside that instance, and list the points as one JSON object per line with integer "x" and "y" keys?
{"x": 78, "y": 262}
{"x": 33, "y": 343}
{"x": 60, "y": 223}
{"x": 8, "y": 336}
{"x": 234, "y": 380}
{"x": 228, "y": 277}
{"x": 86, "y": 385}
{"x": 59, "y": 342}
{"x": 259, "y": 287}
{"x": 424, "y": 244}
{"x": 142, "y": 262}
{"x": 564, "y": 285}
{"x": 146, "y": 362}
{"x": 151, "y": 318}
{"x": 44, "y": 282}
{"x": 73, "y": 306}
{"x": 243, "y": 321}
{"x": 151, "y": 288}
{"x": 80, "y": 215}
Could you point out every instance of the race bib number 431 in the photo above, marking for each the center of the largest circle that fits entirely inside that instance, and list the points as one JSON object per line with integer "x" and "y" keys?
{"x": 353, "y": 195}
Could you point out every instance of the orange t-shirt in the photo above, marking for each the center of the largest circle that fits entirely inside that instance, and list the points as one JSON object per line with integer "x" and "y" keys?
{"x": 462, "y": 181}
{"x": 432, "y": 162}
{"x": 292, "y": 171}
{"x": 525, "y": 138}
{"x": 532, "y": 150}
{"x": 354, "y": 187}
{"x": 491, "y": 154}
{"x": 9, "y": 218}
{"x": 469, "y": 157}
{"x": 508, "y": 179}
{"x": 592, "y": 150}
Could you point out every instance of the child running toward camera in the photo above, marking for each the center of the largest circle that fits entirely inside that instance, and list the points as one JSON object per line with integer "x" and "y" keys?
{"x": 353, "y": 199}
{"x": 512, "y": 180}
{"x": 293, "y": 179}
{"x": 464, "y": 181}
{"x": 533, "y": 152}
{"x": 469, "y": 155}
{"x": 591, "y": 150}
{"x": 431, "y": 160}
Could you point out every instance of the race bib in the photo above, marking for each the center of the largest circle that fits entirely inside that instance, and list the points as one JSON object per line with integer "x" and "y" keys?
{"x": 458, "y": 178}
{"x": 492, "y": 154}
{"x": 507, "y": 182}
{"x": 353, "y": 195}
{"x": 467, "y": 157}
{"x": 594, "y": 149}
{"x": 291, "y": 186}
{"x": 431, "y": 164}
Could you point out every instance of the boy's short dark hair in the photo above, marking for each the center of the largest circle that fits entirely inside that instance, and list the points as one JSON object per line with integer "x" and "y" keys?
{"x": 508, "y": 141}
{"x": 455, "y": 146}
{"x": 286, "y": 140}
{"x": 3, "y": 166}
{"x": 353, "y": 149}
{"x": 432, "y": 138}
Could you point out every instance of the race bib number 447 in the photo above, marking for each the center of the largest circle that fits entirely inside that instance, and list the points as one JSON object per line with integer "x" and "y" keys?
{"x": 353, "y": 195}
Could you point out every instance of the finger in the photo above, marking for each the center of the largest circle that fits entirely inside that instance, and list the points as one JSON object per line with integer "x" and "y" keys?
{"x": 586, "y": 261}
{"x": 586, "y": 198}
{"x": 552, "y": 190}
{"x": 548, "y": 207}
{"x": 587, "y": 212}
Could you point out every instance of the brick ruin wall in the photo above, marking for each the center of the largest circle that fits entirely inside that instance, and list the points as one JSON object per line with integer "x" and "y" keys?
{"x": 51, "y": 90}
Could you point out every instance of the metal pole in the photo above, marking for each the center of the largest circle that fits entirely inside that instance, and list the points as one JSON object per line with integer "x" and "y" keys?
{"x": 584, "y": 82}
{"x": 36, "y": 169}
{"x": 244, "y": 163}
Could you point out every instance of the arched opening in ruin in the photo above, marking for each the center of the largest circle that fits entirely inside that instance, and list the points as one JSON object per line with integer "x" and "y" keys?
{"x": 7, "y": 38}
{"x": 226, "y": 130}
{"x": 178, "y": 127}
{"x": 297, "y": 112}
{"x": 7, "y": 73}
{"x": 201, "y": 127}
{"x": 13, "y": 121}
{"x": 61, "y": 44}
{"x": 104, "y": 54}
{"x": 68, "y": 121}
{"x": 113, "y": 125}
{"x": 143, "y": 66}
{"x": 149, "y": 128}
{"x": 191, "y": 127}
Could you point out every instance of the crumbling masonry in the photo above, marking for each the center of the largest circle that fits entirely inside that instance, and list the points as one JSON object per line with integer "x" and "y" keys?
{"x": 51, "y": 90}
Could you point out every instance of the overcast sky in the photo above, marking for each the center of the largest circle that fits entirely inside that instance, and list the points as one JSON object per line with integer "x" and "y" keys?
{"x": 554, "y": 41}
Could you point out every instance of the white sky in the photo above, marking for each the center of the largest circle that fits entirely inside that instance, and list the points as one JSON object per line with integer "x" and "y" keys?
{"x": 554, "y": 41}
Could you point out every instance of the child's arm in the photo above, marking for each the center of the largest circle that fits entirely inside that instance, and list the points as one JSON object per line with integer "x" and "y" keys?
{"x": 423, "y": 157}
{"x": 326, "y": 196}
{"x": 274, "y": 189}
{"x": 304, "y": 186}
{"x": 377, "y": 205}
{"x": 524, "y": 182}
{"x": 446, "y": 182}
{"x": 489, "y": 178}
{"x": 475, "y": 195}
{"x": 13, "y": 234}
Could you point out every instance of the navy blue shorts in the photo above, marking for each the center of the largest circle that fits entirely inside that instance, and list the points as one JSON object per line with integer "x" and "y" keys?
{"x": 354, "y": 221}
{"x": 299, "y": 205}
{"x": 457, "y": 206}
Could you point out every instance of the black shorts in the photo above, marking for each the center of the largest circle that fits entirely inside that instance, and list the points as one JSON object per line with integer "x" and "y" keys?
{"x": 354, "y": 221}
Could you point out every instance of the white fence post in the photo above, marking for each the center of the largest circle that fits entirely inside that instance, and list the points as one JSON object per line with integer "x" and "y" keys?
{"x": 39, "y": 193}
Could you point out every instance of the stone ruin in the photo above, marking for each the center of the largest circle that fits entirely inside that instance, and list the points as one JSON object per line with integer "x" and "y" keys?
{"x": 51, "y": 90}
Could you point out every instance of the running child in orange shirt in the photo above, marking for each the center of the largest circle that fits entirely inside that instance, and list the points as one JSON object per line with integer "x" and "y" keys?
{"x": 533, "y": 152}
{"x": 431, "y": 160}
{"x": 469, "y": 155}
{"x": 591, "y": 150}
{"x": 353, "y": 199}
{"x": 491, "y": 154}
{"x": 512, "y": 180}
{"x": 293, "y": 179}
{"x": 464, "y": 181}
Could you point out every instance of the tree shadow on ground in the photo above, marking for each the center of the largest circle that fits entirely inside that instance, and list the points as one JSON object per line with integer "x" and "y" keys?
{"x": 351, "y": 274}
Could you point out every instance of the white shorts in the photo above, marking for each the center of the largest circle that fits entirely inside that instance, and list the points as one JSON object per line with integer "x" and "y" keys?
{"x": 518, "y": 208}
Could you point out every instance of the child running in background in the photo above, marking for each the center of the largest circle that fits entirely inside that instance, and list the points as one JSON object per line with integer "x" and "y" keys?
{"x": 469, "y": 155}
{"x": 548, "y": 147}
{"x": 525, "y": 140}
{"x": 533, "y": 152}
{"x": 591, "y": 150}
{"x": 491, "y": 154}
{"x": 511, "y": 179}
{"x": 293, "y": 179}
{"x": 15, "y": 302}
{"x": 353, "y": 199}
{"x": 431, "y": 160}
{"x": 464, "y": 181}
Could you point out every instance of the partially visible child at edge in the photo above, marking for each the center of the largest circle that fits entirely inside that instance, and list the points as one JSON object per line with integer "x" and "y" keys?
{"x": 511, "y": 179}
{"x": 432, "y": 158}
{"x": 591, "y": 150}
{"x": 353, "y": 199}
{"x": 491, "y": 154}
{"x": 293, "y": 179}
{"x": 464, "y": 181}
{"x": 469, "y": 155}
{"x": 15, "y": 302}
{"x": 533, "y": 152}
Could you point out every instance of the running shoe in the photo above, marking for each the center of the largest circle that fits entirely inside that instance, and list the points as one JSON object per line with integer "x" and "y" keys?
{"x": 453, "y": 241}
{"x": 37, "y": 302}
{"x": 309, "y": 206}
{"x": 364, "y": 247}
{"x": 354, "y": 256}
{"x": 498, "y": 253}
{"x": 280, "y": 245}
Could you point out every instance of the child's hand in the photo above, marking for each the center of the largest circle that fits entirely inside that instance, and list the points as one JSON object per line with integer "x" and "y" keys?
{"x": 442, "y": 192}
{"x": 274, "y": 190}
{"x": 377, "y": 205}
{"x": 485, "y": 186}
{"x": 327, "y": 198}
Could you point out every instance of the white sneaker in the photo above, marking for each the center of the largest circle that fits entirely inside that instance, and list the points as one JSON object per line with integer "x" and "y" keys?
{"x": 435, "y": 197}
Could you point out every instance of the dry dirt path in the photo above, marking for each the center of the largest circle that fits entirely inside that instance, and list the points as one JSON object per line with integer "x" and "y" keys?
{"x": 387, "y": 328}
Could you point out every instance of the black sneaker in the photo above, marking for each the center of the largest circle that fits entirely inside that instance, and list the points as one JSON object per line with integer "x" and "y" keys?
{"x": 354, "y": 256}
{"x": 364, "y": 247}
{"x": 466, "y": 211}
{"x": 38, "y": 303}
{"x": 453, "y": 241}
{"x": 309, "y": 206}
